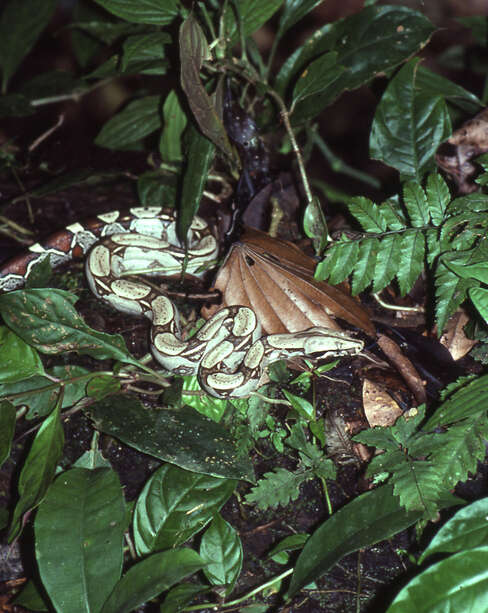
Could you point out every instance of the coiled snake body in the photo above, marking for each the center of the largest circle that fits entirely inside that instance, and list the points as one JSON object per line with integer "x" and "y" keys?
{"x": 228, "y": 353}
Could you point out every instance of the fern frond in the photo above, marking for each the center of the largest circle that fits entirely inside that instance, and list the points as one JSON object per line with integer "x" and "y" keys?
{"x": 451, "y": 290}
{"x": 438, "y": 198}
{"x": 416, "y": 204}
{"x": 368, "y": 214}
{"x": 412, "y": 256}
{"x": 387, "y": 261}
{"x": 364, "y": 271}
{"x": 418, "y": 487}
{"x": 277, "y": 488}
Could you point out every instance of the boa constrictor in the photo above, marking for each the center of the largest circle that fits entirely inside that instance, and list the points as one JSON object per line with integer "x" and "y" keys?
{"x": 228, "y": 353}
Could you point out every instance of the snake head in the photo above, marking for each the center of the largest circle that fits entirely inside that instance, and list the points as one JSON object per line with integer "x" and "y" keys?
{"x": 322, "y": 343}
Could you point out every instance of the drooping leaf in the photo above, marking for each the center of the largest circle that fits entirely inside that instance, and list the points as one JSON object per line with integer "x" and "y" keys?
{"x": 221, "y": 549}
{"x": 293, "y": 12}
{"x": 174, "y": 505}
{"x": 39, "y": 468}
{"x": 317, "y": 77}
{"x": 182, "y": 437}
{"x": 368, "y": 519}
{"x": 193, "y": 51}
{"x": 79, "y": 532}
{"x": 431, "y": 82}
{"x": 199, "y": 152}
{"x": 409, "y": 125}
{"x": 252, "y": 15}
{"x": 148, "y": 578}
{"x": 174, "y": 124}
{"x": 450, "y": 292}
{"x": 152, "y": 12}
{"x": 136, "y": 121}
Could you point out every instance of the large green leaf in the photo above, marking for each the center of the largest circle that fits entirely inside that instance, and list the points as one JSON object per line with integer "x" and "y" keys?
{"x": 468, "y": 401}
{"x": 174, "y": 505}
{"x": 139, "y": 119}
{"x": 459, "y": 583}
{"x": 294, "y": 11}
{"x": 409, "y": 125}
{"x": 155, "y": 12}
{"x": 370, "y": 42}
{"x": 368, "y": 519}
{"x": 182, "y": 437}
{"x": 39, "y": 468}
{"x": 317, "y": 77}
{"x": 147, "y": 579}
{"x": 174, "y": 124}
{"x": 79, "y": 532}
{"x": 411, "y": 264}
{"x": 47, "y": 320}
{"x": 21, "y": 22}
{"x": 252, "y": 15}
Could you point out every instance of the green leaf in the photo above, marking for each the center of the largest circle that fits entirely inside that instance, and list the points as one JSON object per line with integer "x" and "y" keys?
{"x": 79, "y": 532}
{"x": 317, "y": 77}
{"x": 411, "y": 264}
{"x": 221, "y": 549}
{"x": 365, "y": 266}
{"x": 30, "y": 598}
{"x": 368, "y": 519}
{"x": 276, "y": 488}
{"x": 181, "y": 595}
{"x": 144, "y": 53}
{"x": 152, "y": 12}
{"x": 435, "y": 84}
{"x": 182, "y": 437}
{"x": 459, "y": 450}
{"x": 369, "y": 215}
{"x": 387, "y": 261}
{"x": 39, "y": 468}
{"x": 47, "y": 320}
{"x": 147, "y": 579}
{"x": 293, "y": 12}
{"x": 459, "y": 583}
{"x": 174, "y": 125}
{"x": 339, "y": 263}
{"x": 479, "y": 296}
{"x": 199, "y": 154}
{"x": 174, "y": 505}
{"x": 416, "y": 204}
{"x": 418, "y": 487}
{"x": 469, "y": 401}
{"x": 7, "y": 429}
{"x": 21, "y": 23}
{"x": 370, "y": 42}
{"x": 315, "y": 226}
{"x": 157, "y": 188}
{"x": 466, "y": 530}
{"x": 438, "y": 198}
{"x": 289, "y": 543}
{"x": 136, "y": 121}
{"x": 206, "y": 405}
{"x": 409, "y": 125}
{"x": 41, "y": 393}
{"x": 252, "y": 15}
{"x": 450, "y": 292}
{"x": 18, "y": 360}
{"x": 301, "y": 405}
{"x": 193, "y": 51}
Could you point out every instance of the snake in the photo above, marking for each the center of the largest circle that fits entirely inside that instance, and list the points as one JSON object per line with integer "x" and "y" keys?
{"x": 229, "y": 353}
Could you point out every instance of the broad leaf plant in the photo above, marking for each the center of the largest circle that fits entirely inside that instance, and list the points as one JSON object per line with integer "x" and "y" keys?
{"x": 181, "y": 553}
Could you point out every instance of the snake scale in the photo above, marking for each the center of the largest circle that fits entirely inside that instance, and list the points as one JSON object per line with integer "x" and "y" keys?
{"x": 228, "y": 353}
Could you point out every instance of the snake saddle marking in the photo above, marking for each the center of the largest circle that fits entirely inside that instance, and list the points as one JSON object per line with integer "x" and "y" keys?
{"x": 229, "y": 353}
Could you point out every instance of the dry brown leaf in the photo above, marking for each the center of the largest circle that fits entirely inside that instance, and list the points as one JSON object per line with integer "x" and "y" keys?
{"x": 454, "y": 339}
{"x": 275, "y": 278}
{"x": 379, "y": 407}
{"x": 404, "y": 366}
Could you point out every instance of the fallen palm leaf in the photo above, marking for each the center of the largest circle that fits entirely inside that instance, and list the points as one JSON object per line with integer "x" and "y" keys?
{"x": 276, "y": 279}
